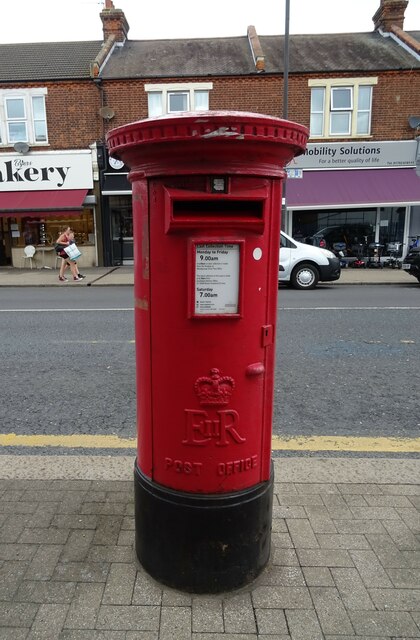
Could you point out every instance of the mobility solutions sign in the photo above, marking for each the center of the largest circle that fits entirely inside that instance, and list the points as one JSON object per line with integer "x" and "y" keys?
{"x": 357, "y": 155}
{"x": 46, "y": 171}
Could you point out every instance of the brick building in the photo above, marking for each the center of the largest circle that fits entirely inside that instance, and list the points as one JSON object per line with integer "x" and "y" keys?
{"x": 358, "y": 93}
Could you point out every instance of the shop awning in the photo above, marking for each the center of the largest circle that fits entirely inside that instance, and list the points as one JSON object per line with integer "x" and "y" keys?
{"x": 354, "y": 187}
{"x": 36, "y": 203}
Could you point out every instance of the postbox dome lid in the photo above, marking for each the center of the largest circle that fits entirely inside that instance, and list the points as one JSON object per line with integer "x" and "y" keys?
{"x": 205, "y": 134}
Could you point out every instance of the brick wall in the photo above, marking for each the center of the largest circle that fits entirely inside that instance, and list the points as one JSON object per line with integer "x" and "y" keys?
{"x": 395, "y": 98}
{"x": 73, "y": 106}
{"x": 72, "y": 113}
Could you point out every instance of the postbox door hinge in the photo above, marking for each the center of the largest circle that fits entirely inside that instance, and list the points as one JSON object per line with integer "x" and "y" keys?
{"x": 267, "y": 335}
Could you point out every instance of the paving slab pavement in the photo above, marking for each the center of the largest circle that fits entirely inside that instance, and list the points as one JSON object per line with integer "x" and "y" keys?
{"x": 345, "y": 558}
{"x": 117, "y": 276}
{"x": 95, "y": 276}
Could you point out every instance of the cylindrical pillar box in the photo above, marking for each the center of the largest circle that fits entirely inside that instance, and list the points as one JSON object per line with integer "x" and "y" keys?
{"x": 206, "y": 210}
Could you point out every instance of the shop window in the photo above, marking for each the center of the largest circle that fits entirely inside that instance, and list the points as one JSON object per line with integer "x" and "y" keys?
{"x": 325, "y": 228}
{"x": 23, "y": 116}
{"x": 43, "y": 230}
{"x": 355, "y": 228}
{"x": 391, "y": 229}
{"x": 176, "y": 98}
{"x": 341, "y": 108}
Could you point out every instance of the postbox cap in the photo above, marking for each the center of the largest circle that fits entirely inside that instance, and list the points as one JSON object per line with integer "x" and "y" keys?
{"x": 203, "y": 137}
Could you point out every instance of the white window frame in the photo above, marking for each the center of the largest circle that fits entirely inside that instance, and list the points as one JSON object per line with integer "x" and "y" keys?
{"x": 169, "y": 94}
{"x": 340, "y": 83}
{"x": 318, "y": 114}
{"x": 165, "y": 90}
{"x": 368, "y": 111}
{"x": 20, "y": 120}
{"x": 29, "y": 120}
{"x": 35, "y": 119}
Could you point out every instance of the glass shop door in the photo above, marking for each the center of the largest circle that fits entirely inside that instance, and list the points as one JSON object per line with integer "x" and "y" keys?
{"x": 122, "y": 235}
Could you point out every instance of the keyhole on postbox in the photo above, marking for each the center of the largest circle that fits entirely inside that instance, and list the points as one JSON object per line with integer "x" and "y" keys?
{"x": 267, "y": 335}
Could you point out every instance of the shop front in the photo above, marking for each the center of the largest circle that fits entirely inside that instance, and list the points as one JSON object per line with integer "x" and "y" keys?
{"x": 40, "y": 195}
{"x": 117, "y": 212}
{"x": 358, "y": 198}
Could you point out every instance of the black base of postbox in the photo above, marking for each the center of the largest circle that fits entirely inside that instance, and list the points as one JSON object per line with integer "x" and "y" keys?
{"x": 202, "y": 543}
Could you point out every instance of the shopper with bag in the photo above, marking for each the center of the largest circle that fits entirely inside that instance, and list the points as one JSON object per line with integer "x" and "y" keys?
{"x": 66, "y": 248}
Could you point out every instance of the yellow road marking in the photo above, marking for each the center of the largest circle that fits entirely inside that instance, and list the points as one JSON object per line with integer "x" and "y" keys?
{"x": 299, "y": 443}
{"x": 93, "y": 342}
{"x": 76, "y": 441}
{"x": 346, "y": 443}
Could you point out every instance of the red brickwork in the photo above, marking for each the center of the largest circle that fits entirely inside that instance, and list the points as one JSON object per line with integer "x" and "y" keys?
{"x": 72, "y": 113}
{"x": 395, "y": 98}
{"x": 73, "y": 107}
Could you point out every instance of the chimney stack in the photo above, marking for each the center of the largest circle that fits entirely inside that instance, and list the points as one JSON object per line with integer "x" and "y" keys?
{"x": 114, "y": 22}
{"x": 256, "y": 49}
{"x": 390, "y": 14}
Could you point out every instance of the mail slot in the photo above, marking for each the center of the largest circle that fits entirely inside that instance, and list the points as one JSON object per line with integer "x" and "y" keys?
{"x": 206, "y": 209}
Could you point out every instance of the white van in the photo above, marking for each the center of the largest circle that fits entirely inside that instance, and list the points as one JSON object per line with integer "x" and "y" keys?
{"x": 303, "y": 265}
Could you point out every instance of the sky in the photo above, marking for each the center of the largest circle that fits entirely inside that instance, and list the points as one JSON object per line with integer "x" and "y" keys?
{"x": 63, "y": 20}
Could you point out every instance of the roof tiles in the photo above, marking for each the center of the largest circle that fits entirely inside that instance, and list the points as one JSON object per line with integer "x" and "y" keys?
{"x": 206, "y": 57}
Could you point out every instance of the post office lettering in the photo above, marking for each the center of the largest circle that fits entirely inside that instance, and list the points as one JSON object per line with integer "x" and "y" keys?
{"x": 183, "y": 466}
{"x": 236, "y": 466}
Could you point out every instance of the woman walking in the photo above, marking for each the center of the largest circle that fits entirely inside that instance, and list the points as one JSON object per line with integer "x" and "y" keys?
{"x": 64, "y": 240}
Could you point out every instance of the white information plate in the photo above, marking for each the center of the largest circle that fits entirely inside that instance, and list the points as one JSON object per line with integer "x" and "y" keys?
{"x": 216, "y": 279}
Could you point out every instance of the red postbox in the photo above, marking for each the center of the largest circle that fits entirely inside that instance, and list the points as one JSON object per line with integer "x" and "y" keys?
{"x": 206, "y": 209}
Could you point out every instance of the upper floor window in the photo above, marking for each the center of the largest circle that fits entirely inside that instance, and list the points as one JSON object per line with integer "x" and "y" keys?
{"x": 176, "y": 98}
{"x": 341, "y": 107}
{"x": 23, "y": 116}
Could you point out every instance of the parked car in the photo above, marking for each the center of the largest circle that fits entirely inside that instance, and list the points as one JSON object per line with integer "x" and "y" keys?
{"x": 411, "y": 262}
{"x": 303, "y": 266}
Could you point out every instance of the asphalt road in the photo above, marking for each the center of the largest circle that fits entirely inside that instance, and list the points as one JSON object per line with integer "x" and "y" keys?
{"x": 347, "y": 361}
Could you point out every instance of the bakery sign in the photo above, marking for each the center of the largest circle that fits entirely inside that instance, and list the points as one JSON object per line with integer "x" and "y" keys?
{"x": 46, "y": 171}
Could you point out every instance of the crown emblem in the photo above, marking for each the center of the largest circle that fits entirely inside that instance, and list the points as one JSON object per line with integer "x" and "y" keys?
{"x": 214, "y": 389}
